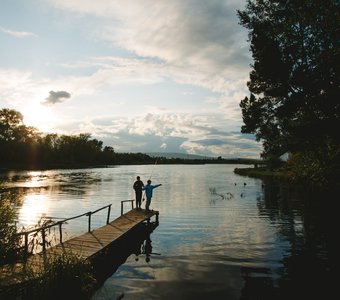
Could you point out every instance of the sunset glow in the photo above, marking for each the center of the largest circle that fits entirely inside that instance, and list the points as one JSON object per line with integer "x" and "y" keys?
{"x": 130, "y": 71}
{"x": 39, "y": 116}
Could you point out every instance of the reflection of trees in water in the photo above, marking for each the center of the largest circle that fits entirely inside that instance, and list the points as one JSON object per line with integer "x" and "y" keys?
{"x": 305, "y": 219}
{"x": 74, "y": 183}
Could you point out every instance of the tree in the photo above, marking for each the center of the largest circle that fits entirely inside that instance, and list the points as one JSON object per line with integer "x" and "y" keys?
{"x": 18, "y": 142}
{"x": 10, "y": 122}
{"x": 294, "y": 83}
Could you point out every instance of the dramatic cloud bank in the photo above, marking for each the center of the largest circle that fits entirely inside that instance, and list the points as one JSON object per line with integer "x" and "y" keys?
{"x": 144, "y": 75}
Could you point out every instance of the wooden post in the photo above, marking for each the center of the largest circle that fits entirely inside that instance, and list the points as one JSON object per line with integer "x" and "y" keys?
{"x": 60, "y": 232}
{"x": 26, "y": 244}
{"x": 108, "y": 214}
{"x": 43, "y": 239}
{"x": 122, "y": 205}
{"x": 89, "y": 229}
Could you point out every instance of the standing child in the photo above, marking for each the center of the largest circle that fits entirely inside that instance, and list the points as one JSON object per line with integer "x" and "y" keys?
{"x": 148, "y": 193}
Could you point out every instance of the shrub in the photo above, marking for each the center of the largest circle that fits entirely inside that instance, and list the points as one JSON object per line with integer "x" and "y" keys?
{"x": 319, "y": 167}
{"x": 65, "y": 276}
{"x": 9, "y": 241}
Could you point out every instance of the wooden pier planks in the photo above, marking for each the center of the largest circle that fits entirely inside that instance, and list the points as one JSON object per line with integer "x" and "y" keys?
{"x": 86, "y": 246}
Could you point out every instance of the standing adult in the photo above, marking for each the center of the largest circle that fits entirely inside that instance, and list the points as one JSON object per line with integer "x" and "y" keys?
{"x": 148, "y": 193}
{"x": 138, "y": 187}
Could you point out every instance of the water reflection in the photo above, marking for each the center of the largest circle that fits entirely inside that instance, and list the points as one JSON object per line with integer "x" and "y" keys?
{"x": 49, "y": 178}
{"x": 221, "y": 236}
{"x": 304, "y": 220}
{"x": 36, "y": 190}
{"x": 136, "y": 244}
{"x": 34, "y": 207}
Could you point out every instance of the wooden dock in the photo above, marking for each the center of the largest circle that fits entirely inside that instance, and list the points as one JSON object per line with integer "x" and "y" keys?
{"x": 86, "y": 246}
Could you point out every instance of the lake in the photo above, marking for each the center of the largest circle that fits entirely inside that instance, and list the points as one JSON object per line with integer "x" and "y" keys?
{"x": 220, "y": 235}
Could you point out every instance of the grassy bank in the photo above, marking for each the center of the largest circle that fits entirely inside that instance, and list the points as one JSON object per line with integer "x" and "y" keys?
{"x": 63, "y": 277}
{"x": 263, "y": 173}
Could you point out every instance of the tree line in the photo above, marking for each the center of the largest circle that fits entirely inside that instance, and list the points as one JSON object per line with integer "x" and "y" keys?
{"x": 23, "y": 146}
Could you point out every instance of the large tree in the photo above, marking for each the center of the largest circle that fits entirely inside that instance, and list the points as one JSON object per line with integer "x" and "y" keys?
{"x": 17, "y": 141}
{"x": 294, "y": 101}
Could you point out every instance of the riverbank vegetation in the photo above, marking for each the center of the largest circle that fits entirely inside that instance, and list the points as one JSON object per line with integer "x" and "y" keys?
{"x": 294, "y": 105}
{"x": 66, "y": 276}
{"x": 9, "y": 241}
{"x": 23, "y": 147}
{"x": 63, "y": 277}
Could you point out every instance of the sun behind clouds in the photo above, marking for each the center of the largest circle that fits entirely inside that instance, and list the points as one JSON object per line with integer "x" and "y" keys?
{"x": 39, "y": 116}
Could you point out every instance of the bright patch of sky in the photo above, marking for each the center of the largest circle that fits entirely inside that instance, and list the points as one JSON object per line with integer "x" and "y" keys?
{"x": 140, "y": 75}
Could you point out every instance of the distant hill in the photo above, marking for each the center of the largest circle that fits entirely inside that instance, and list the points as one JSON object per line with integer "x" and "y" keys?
{"x": 177, "y": 155}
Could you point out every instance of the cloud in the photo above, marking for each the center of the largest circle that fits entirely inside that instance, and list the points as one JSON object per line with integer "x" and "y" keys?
{"x": 170, "y": 124}
{"x": 169, "y": 132}
{"x": 197, "y": 43}
{"x": 203, "y": 36}
{"x": 18, "y": 34}
{"x": 210, "y": 142}
{"x": 17, "y": 88}
{"x": 10, "y": 79}
{"x": 166, "y": 48}
{"x": 200, "y": 36}
{"x": 56, "y": 97}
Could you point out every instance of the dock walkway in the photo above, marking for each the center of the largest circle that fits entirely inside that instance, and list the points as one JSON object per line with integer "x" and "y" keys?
{"x": 86, "y": 246}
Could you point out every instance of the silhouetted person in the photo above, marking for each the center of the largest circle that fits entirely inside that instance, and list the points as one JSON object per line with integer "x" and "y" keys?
{"x": 138, "y": 187}
{"x": 148, "y": 193}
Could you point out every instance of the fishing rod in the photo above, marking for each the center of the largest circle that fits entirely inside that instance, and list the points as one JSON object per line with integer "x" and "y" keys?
{"x": 151, "y": 175}
{"x": 153, "y": 168}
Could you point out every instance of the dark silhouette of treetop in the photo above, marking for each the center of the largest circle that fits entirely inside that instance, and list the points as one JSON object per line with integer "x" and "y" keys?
{"x": 294, "y": 83}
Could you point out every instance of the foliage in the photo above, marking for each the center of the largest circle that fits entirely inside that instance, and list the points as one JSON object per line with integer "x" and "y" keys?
{"x": 9, "y": 241}
{"x": 36, "y": 242}
{"x": 319, "y": 167}
{"x": 65, "y": 276}
{"x": 294, "y": 83}
{"x": 24, "y": 146}
{"x": 274, "y": 162}
{"x": 263, "y": 173}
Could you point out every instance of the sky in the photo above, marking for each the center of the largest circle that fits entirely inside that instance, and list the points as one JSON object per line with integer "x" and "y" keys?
{"x": 139, "y": 75}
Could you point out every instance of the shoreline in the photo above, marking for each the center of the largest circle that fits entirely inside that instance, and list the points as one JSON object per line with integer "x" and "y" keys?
{"x": 263, "y": 173}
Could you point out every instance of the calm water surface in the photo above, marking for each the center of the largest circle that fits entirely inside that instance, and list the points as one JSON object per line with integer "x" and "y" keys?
{"x": 220, "y": 236}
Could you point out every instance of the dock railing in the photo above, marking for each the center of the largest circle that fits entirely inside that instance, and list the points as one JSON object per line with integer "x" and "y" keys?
{"x": 60, "y": 223}
{"x": 122, "y": 205}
